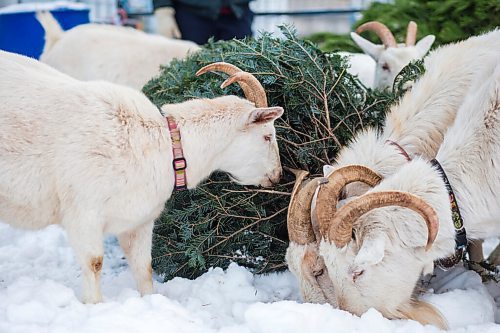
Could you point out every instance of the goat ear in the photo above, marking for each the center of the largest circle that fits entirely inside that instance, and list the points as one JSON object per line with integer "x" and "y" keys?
{"x": 373, "y": 50}
{"x": 424, "y": 45}
{"x": 263, "y": 115}
{"x": 371, "y": 252}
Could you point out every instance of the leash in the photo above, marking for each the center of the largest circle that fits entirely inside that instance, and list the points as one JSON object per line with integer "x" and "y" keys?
{"x": 458, "y": 223}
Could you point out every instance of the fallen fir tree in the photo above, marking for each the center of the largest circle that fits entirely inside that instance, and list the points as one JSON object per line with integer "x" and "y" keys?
{"x": 221, "y": 222}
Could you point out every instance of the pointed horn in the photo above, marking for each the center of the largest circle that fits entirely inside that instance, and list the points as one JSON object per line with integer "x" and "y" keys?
{"x": 252, "y": 88}
{"x": 411, "y": 34}
{"x": 299, "y": 178}
{"x": 299, "y": 211}
{"x": 381, "y": 30}
{"x": 314, "y": 210}
{"x": 224, "y": 67}
{"x": 255, "y": 93}
{"x": 341, "y": 224}
{"x": 329, "y": 193}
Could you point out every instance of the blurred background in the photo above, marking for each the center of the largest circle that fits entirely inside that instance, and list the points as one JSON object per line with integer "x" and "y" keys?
{"x": 324, "y": 22}
{"x": 308, "y": 16}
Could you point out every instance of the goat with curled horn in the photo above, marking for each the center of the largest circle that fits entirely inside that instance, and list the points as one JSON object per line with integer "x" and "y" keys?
{"x": 406, "y": 133}
{"x": 304, "y": 229}
{"x": 385, "y": 239}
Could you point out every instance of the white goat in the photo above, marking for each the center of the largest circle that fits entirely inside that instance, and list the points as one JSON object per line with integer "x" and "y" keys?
{"x": 105, "y": 52}
{"x": 388, "y": 59}
{"x": 417, "y": 123}
{"x": 373, "y": 245}
{"x": 96, "y": 157}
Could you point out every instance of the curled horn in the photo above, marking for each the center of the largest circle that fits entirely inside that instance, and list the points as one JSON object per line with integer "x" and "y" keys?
{"x": 381, "y": 30}
{"x": 299, "y": 224}
{"x": 329, "y": 193}
{"x": 219, "y": 67}
{"x": 252, "y": 88}
{"x": 411, "y": 34}
{"x": 229, "y": 69}
{"x": 341, "y": 225}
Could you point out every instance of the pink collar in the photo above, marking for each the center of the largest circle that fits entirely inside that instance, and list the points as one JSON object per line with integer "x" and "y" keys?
{"x": 179, "y": 162}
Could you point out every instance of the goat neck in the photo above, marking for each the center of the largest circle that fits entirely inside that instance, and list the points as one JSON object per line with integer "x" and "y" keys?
{"x": 201, "y": 145}
{"x": 420, "y": 120}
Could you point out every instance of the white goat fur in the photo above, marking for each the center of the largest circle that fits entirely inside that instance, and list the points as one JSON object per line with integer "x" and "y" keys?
{"x": 96, "y": 158}
{"x": 418, "y": 123}
{"x": 105, "y": 52}
{"x": 389, "y": 247}
{"x": 363, "y": 66}
{"x": 379, "y": 66}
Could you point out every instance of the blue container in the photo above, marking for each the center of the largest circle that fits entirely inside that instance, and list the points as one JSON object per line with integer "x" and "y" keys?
{"x": 22, "y": 33}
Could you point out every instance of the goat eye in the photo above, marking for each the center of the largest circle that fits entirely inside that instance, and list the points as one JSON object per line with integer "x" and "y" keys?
{"x": 385, "y": 67}
{"x": 318, "y": 272}
{"x": 268, "y": 137}
{"x": 343, "y": 194}
{"x": 356, "y": 274}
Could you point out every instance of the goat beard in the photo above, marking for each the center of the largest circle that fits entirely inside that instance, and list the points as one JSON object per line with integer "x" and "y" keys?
{"x": 420, "y": 311}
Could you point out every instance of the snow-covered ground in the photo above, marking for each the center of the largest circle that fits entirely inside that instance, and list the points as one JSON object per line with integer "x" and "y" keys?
{"x": 40, "y": 291}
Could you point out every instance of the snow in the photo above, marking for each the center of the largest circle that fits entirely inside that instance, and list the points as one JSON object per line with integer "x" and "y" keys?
{"x": 33, "y": 7}
{"x": 489, "y": 245}
{"x": 40, "y": 291}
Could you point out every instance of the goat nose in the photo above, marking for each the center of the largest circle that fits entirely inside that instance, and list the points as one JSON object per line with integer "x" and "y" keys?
{"x": 341, "y": 303}
{"x": 277, "y": 174}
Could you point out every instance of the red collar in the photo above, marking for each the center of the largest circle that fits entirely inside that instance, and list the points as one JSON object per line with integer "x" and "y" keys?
{"x": 179, "y": 163}
{"x": 401, "y": 149}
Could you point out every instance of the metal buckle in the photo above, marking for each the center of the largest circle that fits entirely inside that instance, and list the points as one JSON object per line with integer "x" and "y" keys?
{"x": 179, "y": 167}
{"x": 181, "y": 187}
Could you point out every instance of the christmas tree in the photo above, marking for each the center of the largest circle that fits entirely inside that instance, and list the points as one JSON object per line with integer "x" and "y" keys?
{"x": 221, "y": 222}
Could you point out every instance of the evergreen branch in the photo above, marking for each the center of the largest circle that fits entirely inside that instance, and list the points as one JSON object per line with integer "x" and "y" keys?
{"x": 274, "y": 238}
{"x": 245, "y": 228}
{"x": 258, "y": 191}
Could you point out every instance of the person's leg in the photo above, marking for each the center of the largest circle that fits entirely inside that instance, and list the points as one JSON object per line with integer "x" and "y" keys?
{"x": 193, "y": 27}
{"x": 228, "y": 26}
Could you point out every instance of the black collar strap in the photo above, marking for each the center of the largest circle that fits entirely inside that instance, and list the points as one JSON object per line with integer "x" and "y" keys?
{"x": 458, "y": 223}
